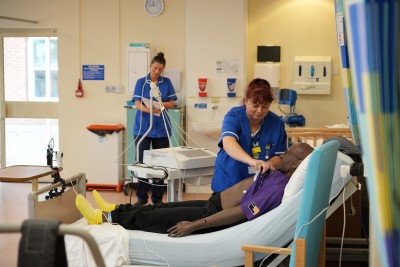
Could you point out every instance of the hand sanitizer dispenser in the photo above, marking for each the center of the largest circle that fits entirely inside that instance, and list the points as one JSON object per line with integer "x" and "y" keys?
{"x": 202, "y": 87}
{"x": 231, "y": 83}
{"x": 312, "y": 75}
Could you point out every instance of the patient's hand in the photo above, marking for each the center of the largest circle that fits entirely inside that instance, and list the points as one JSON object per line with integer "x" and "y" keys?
{"x": 183, "y": 228}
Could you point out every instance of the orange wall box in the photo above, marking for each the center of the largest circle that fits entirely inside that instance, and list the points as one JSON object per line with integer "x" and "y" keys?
{"x": 105, "y": 166}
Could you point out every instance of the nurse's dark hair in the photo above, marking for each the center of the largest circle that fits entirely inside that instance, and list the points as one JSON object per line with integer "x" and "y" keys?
{"x": 159, "y": 58}
{"x": 259, "y": 91}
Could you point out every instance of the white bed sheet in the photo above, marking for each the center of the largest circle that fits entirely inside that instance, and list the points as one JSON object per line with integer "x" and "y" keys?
{"x": 222, "y": 248}
{"x": 112, "y": 241}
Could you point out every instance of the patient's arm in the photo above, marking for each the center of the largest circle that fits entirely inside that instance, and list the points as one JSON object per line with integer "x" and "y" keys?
{"x": 231, "y": 196}
{"x": 224, "y": 217}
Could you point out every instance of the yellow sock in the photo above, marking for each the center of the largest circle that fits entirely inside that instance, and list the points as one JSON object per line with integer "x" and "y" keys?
{"x": 104, "y": 206}
{"x": 93, "y": 216}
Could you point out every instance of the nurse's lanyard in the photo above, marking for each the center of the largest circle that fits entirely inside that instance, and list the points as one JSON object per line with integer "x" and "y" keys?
{"x": 255, "y": 144}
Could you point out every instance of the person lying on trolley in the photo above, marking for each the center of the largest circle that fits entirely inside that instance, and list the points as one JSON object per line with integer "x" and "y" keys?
{"x": 243, "y": 201}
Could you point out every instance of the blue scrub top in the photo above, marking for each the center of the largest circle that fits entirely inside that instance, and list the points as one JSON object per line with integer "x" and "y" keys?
{"x": 272, "y": 141}
{"x": 142, "y": 120}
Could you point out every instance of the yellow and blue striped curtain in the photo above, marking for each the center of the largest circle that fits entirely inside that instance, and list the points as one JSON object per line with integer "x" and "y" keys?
{"x": 346, "y": 76}
{"x": 373, "y": 49}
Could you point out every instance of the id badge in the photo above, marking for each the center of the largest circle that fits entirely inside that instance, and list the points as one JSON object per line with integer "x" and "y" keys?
{"x": 252, "y": 170}
{"x": 255, "y": 151}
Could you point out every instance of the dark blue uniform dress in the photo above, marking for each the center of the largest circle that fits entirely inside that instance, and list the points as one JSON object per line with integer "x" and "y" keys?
{"x": 270, "y": 139}
{"x": 157, "y": 137}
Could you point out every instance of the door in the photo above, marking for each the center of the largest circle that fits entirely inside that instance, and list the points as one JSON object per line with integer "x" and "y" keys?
{"x": 138, "y": 65}
{"x": 28, "y": 96}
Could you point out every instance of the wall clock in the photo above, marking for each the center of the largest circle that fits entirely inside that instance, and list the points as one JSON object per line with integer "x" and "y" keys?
{"x": 153, "y": 7}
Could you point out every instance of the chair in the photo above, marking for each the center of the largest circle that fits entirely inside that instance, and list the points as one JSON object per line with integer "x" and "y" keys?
{"x": 310, "y": 225}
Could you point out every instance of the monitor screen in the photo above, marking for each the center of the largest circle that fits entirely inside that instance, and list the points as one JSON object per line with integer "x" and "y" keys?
{"x": 268, "y": 53}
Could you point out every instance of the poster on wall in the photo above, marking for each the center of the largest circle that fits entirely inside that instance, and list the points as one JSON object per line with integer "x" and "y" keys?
{"x": 93, "y": 72}
{"x": 228, "y": 67}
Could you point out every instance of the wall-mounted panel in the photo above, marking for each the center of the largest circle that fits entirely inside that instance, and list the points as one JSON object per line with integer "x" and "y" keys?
{"x": 312, "y": 75}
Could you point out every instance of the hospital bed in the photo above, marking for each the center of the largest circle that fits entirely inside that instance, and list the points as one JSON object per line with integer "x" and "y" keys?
{"x": 221, "y": 248}
{"x": 121, "y": 247}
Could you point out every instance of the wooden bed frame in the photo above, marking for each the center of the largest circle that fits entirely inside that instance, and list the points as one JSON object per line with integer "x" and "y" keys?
{"x": 315, "y": 136}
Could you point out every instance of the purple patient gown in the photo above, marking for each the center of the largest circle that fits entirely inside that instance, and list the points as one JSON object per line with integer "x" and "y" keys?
{"x": 264, "y": 194}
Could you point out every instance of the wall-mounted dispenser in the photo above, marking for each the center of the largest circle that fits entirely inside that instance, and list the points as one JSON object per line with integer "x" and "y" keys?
{"x": 270, "y": 66}
{"x": 231, "y": 83}
{"x": 269, "y": 71}
{"x": 202, "y": 87}
{"x": 312, "y": 74}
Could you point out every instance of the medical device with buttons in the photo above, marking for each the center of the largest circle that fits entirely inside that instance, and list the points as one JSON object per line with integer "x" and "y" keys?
{"x": 179, "y": 157}
{"x": 175, "y": 164}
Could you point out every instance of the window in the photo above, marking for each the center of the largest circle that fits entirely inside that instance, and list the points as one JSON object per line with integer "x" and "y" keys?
{"x": 31, "y": 69}
{"x": 27, "y": 140}
{"x": 30, "y": 81}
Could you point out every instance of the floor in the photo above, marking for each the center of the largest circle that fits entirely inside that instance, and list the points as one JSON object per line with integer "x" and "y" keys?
{"x": 13, "y": 203}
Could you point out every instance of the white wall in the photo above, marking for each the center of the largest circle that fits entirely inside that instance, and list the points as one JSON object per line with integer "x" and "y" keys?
{"x": 98, "y": 32}
{"x": 211, "y": 37}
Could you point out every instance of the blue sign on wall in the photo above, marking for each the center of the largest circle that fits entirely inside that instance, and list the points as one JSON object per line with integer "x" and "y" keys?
{"x": 93, "y": 72}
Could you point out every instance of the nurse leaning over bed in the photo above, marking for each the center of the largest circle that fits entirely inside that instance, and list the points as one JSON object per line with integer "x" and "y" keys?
{"x": 252, "y": 138}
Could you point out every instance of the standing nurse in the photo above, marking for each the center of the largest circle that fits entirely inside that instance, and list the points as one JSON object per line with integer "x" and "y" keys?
{"x": 252, "y": 138}
{"x": 158, "y": 136}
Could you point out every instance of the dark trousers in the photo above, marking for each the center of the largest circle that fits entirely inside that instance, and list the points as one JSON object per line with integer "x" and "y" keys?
{"x": 158, "y": 218}
{"x": 157, "y": 188}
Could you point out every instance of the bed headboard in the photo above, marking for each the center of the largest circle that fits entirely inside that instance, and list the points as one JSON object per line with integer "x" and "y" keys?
{"x": 315, "y": 136}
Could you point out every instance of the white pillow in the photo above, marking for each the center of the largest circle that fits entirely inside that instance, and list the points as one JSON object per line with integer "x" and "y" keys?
{"x": 296, "y": 182}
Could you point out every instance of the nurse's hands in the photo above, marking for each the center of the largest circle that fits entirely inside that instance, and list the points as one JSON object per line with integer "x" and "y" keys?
{"x": 156, "y": 111}
{"x": 262, "y": 166}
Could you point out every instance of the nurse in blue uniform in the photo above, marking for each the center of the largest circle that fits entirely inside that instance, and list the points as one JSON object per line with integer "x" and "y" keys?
{"x": 158, "y": 136}
{"x": 252, "y": 138}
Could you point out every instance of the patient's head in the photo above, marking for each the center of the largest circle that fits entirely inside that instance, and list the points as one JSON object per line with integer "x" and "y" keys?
{"x": 292, "y": 158}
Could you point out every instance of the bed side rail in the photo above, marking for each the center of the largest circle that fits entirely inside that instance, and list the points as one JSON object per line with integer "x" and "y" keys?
{"x": 65, "y": 230}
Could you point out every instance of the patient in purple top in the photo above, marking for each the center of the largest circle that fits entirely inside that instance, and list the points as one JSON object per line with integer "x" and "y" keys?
{"x": 244, "y": 201}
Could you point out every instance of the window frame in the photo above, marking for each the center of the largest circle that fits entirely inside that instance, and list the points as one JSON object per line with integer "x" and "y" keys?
{"x": 26, "y": 108}
{"x": 47, "y": 68}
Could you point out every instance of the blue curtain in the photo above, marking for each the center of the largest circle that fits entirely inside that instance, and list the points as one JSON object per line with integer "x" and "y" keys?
{"x": 372, "y": 32}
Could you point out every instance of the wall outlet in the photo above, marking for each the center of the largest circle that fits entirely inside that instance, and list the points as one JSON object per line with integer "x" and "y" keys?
{"x": 113, "y": 89}
{"x": 215, "y": 100}
{"x": 118, "y": 89}
{"x": 110, "y": 89}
